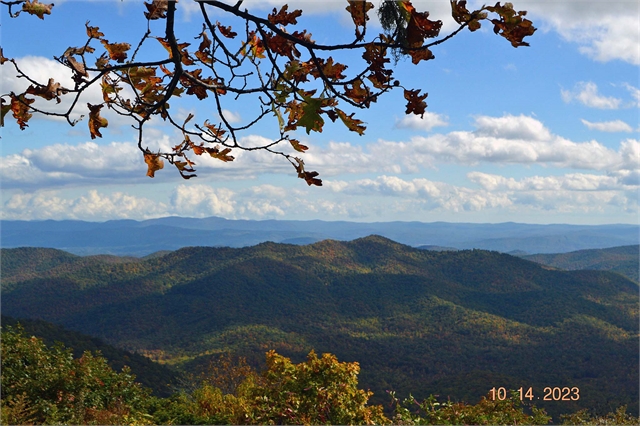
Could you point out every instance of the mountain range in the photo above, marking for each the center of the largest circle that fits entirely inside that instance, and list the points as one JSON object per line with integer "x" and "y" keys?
{"x": 141, "y": 238}
{"x": 451, "y": 323}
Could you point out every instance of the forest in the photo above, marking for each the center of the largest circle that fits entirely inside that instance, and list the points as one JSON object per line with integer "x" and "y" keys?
{"x": 48, "y": 385}
{"x": 417, "y": 322}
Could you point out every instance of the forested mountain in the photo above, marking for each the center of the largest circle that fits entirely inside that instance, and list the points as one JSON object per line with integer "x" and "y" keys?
{"x": 624, "y": 260}
{"x": 140, "y": 238}
{"x": 452, "y": 323}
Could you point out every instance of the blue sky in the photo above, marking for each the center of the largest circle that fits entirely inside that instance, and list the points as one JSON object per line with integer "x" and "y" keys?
{"x": 541, "y": 134}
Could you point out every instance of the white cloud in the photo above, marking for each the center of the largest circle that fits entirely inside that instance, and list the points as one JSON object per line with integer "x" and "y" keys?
{"x": 608, "y": 126}
{"x": 570, "y": 182}
{"x": 603, "y": 30}
{"x": 428, "y": 122}
{"x": 232, "y": 117}
{"x": 499, "y": 140}
{"x": 587, "y": 94}
{"x": 635, "y": 93}
{"x": 91, "y": 206}
{"x": 202, "y": 201}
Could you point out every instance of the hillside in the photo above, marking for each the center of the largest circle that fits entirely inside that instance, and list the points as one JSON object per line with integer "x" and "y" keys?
{"x": 624, "y": 260}
{"x": 453, "y": 323}
{"x": 160, "y": 379}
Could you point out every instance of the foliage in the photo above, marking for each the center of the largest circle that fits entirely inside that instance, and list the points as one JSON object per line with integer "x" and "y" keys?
{"x": 263, "y": 58}
{"x": 47, "y": 385}
{"x": 160, "y": 379}
{"x": 584, "y": 417}
{"x": 318, "y": 391}
{"x": 509, "y": 411}
{"x": 43, "y": 385}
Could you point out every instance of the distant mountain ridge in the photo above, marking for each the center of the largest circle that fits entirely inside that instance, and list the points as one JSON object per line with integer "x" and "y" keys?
{"x": 452, "y": 322}
{"x": 624, "y": 260}
{"x": 129, "y": 237}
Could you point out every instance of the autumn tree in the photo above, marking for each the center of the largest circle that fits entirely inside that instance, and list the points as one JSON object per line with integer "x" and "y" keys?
{"x": 288, "y": 76}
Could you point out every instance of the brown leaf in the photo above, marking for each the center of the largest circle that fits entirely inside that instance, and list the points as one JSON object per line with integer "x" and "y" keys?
{"x": 310, "y": 178}
{"x": 283, "y": 17}
{"x": 77, "y": 66}
{"x": 157, "y": 9}
{"x": 102, "y": 62}
{"x": 283, "y": 46}
{"x": 331, "y": 70}
{"x": 416, "y": 103}
{"x": 212, "y": 130}
{"x": 154, "y": 163}
{"x": 420, "y": 27}
{"x": 220, "y": 155}
{"x": 226, "y": 31}
{"x": 117, "y": 51}
{"x": 422, "y": 54}
{"x": 297, "y": 145}
{"x": 96, "y": 121}
{"x": 2, "y": 58}
{"x": 358, "y": 10}
{"x": 357, "y": 92}
{"x": 93, "y": 32}
{"x": 352, "y": 124}
{"x": 36, "y": 8}
{"x": 52, "y": 90}
{"x": 511, "y": 24}
{"x": 20, "y": 109}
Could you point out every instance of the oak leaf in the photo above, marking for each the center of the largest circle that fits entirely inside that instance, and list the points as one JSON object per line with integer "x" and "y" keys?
{"x": 310, "y": 118}
{"x": 415, "y": 102}
{"x": 352, "y": 124}
{"x": 51, "y": 91}
{"x": 283, "y": 17}
{"x": 157, "y": 9}
{"x": 358, "y": 10}
{"x": 422, "y": 54}
{"x": 226, "y": 31}
{"x": 93, "y": 32}
{"x": 220, "y": 155}
{"x": 117, "y": 51}
{"x": 36, "y": 8}
{"x": 96, "y": 122}
{"x": 154, "y": 163}
{"x": 20, "y": 109}
{"x": 297, "y": 145}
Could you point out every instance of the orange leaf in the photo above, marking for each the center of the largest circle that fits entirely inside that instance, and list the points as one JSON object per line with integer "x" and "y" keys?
{"x": 20, "y": 109}
{"x": 117, "y": 51}
{"x": 93, "y": 32}
{"x": 96, "y": 121}
{"x": 297, "y": 145}
{"x": 154, "y": 163}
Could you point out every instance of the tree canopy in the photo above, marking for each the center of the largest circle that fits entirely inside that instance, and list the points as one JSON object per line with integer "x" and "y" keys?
{"x": 288, "y": 76}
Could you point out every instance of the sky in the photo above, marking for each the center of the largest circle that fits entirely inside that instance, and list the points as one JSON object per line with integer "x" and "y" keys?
{"x": 548, "y": 133}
